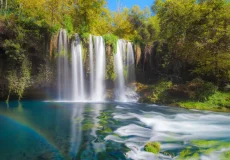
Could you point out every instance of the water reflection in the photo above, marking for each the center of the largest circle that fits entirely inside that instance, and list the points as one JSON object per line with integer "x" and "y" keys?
{"x": 96, "y": 112}
{"x": 76, "y": 129}
{"x": 20, "y": 108}
{"x": 85, "y": 123}
{"x": 97, "y": 145}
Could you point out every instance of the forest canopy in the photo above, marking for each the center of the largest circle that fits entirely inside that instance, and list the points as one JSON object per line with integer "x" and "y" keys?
{"x": 192, "y": 38}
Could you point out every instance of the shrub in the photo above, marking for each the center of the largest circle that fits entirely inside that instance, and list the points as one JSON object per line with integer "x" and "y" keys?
{"x": 18, "y": 82}
{"x": 111, "y": 39}
{"x": 227, "y": 88}
{"x": 200, "y": 89}
{"x": 160, "y": 90}
{"x": 85, "y": 37}
{"x": 13, "y": 50}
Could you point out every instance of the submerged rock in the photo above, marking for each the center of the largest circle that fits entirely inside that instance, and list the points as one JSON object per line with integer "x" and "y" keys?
{"x": 153, "y": 147}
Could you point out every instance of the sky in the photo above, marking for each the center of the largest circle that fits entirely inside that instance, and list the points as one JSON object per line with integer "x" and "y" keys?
{"x": 112, "y": 4}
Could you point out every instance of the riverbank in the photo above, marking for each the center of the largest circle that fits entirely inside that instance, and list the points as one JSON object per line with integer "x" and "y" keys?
{"x": 192, "y": 95}
{"x": 161, "y": 92}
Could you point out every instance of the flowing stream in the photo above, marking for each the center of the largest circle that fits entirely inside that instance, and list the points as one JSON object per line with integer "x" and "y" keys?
{"x": 102, "y": 131}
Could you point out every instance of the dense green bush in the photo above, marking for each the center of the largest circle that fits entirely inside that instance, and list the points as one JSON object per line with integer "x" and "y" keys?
{"x": 111, "y": 39}
{"x": 200, "y": 89}
{"x": 85, "y": 37}
{"x": 227, "y": 88}
{"x": 160, "y": 90}
{"x": 13, "y": 50}
{"x": 19, "y": 81}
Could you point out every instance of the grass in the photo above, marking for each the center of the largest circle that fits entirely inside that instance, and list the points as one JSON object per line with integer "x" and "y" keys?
{"x": 220, "y": 101}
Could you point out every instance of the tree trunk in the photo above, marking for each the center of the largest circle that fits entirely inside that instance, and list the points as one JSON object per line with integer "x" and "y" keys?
{"x": 1, "y": 7}
{"x": 6, "y": 4}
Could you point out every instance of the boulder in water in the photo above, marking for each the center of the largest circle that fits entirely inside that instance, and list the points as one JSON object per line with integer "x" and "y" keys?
{"x": 153, "y": 147}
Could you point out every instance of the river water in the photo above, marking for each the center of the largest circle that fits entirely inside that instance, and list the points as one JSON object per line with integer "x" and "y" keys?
{"x": 110, "y": 131}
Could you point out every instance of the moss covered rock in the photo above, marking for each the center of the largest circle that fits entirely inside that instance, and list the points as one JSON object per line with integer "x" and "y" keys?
{"x": 225, "y": 155}
{"x": 153, "y": 147}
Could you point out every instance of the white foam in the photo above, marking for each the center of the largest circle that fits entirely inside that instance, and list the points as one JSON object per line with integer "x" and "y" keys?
{"x": 171, "y": 146}
{"x": 122, "y": 116}
{"x": 187, "y": 126}
{"x": 114, "y": 138}
{"x": 141, "y": 155}
{"x": 134, "y": 130}
{"x": 170, "y": 130}
{"x": 119, "y": 107}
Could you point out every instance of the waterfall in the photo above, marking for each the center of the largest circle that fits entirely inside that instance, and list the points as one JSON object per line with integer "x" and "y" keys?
{"x": 91, "y": 63}
{"x": 78, "y": 86}
{"x": 124, "y": 65}
{"x": 72, "y": 82}
{"x": 119, "y": 71}
{"x": 131, "y": 78}
{"x": 97, "y": 68}
{"x": 63, "y": 80}
{"x": 99, "y": 92}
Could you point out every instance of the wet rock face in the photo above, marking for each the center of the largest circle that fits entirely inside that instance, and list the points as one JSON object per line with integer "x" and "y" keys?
{"x": 144, "y": 57}
{"x": 3, "y": 90}
{"x": 2, "y": 27}
{"x": 3, "y": 81}
{"x": 137, "y": 50}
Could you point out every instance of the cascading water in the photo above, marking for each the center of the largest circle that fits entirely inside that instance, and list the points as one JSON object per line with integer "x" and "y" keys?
{"x": 78, "y": 85}
{"x": 97, "y": 68}
{"x": 63, "y": 80}
{"x": 72, "y": 81}
{"x": 91, "y": 59}
{"x": 131, "y": 77}
{"x": 124, "y": 65}
{"x": 119, "y": 71}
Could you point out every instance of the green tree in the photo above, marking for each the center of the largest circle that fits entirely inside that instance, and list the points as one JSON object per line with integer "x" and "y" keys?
{"x": 197, "y": 35}
{"x": 122, "y": 27}
{"x": 91, "y": 16}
